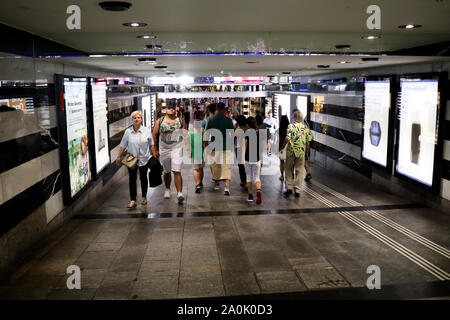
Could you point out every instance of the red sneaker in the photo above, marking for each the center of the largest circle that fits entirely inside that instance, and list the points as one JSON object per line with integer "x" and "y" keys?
{"x": 258, "y": 197}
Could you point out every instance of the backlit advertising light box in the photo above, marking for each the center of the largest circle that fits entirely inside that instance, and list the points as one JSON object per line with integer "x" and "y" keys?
{"x": 99, "y": 107}
{"x": 418, "y": 115}
{"x": 376, "y": 121}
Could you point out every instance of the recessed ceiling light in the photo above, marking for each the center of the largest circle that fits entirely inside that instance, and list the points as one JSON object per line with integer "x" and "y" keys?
{"x": 135, "y": 24}
{"x": 147, "y": 60}
{"x": 342, "y": 46}
{"x": 250, "y": 62}
{"x": 370, "y": 59}
{"x": 286, "y": 72}
{"x": 154, "y": 46}
{"x": 160, "y": 67}
{"x": 410, "y": 26}
{"x": 323, "y": 66}
{"x": 170, "y": 73}
{"x": 343, "y": 62}
{"x": 146, "y": 37}
{"x": 371, "y": 37}
{"x": 115, "y": 5}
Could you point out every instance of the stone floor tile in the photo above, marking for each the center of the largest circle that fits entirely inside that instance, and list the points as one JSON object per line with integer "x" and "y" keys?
{"x": 280, "y": 281}
{"x": 240, "y": 283}
{"x": 322, "y": 278}
{"x": 104, "y": 246}
{"x": 74, "y": 294}
{"x": 95, "y": 260}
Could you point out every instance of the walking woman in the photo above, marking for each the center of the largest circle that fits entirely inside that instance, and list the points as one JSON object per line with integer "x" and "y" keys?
{"x": 137, "y": 140}
{"x": 284, "y": 123}
{"x": 297, "y": 139}
{"x": 170, "y": 150}
{"x": 253, "y": 162}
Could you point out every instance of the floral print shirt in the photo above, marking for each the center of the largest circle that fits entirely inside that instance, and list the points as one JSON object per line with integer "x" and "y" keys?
{"x": 298, "y": 135}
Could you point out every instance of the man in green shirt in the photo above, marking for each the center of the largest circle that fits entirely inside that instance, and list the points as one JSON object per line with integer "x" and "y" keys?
{"x": 222, "y": 156}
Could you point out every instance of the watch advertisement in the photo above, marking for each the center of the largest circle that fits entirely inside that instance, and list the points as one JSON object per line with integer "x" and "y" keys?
{"x": 77, "y": 135}
{"x": 100, "y": 108}
{"x": 417, "y": 134}
{"x": 376, "y": 121}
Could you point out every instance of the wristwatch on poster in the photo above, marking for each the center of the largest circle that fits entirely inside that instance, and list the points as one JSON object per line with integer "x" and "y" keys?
{"x": 415, "y": 142}
{"x": 375, "y": 133}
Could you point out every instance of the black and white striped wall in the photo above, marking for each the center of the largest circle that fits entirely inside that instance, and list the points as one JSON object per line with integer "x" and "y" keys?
{"x": 337, "y": 131}
{"x": 31, "y": 202}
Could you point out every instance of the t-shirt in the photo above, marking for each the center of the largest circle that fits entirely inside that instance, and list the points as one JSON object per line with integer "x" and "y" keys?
{"x": 222, "y": 123}
{"x": 251, "y": 145}
{"x": 271, "y": 122}
{"x": 197, "y": 146}
{"x": 298, "y": 135}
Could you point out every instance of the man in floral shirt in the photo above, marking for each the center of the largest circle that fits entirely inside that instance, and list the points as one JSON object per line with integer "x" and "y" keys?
{"x": 297, "y": 139}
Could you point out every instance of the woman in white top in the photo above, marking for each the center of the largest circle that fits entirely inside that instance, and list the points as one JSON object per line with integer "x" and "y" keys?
{"x": 137, "y": 140}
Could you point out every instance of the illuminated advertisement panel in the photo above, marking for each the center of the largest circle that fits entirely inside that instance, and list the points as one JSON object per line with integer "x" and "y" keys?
{"x": 376, "y": 121}
{"x": 99, "y": 108}
{"x": 418, "y": 115}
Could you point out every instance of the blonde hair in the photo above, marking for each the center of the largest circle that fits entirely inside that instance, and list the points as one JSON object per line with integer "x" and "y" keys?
{"x": 135, "y": 113}
{"x": 298, "y": 116}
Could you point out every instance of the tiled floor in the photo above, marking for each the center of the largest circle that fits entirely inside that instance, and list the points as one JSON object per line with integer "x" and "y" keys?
{"x": 229, "y": 253}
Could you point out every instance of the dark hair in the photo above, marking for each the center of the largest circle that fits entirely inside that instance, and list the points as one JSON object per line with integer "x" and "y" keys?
{"x": 259, "y": 119}
{"x": 241, "y": 120}
{"x": 251, "y": 122}
{"x": 212, "y": 108}
{"x": 221, "y": 106}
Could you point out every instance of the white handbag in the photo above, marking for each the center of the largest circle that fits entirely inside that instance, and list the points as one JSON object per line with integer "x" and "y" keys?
{"x": 282, "y": 154}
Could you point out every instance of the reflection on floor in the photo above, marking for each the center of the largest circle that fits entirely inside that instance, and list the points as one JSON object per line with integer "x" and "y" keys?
{"x": 325, "y": 240}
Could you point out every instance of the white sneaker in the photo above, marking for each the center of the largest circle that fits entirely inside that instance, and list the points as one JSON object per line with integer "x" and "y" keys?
{"x": 226, "y": 191}
{"x": 217, "y": 187}
{"x": 167, "y": 194}
{"x": 180, "y": 197}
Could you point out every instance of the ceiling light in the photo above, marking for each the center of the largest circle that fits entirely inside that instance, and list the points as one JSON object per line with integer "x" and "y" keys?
{"x": 146, "y": 37}
{"x": 370, "y": 59}
{"x": 160, "y": 67}
{"x": 343, "y": 62}
{"x": 115, "y": 5}
{"x": 286, "y": 72}
{"x": 410, "y": 26}
{"x": 323, "y": 66}
{"x": 250, "y": 62}
{"x": 154, "y": 46}
{"x": 135, "y": 24}
{"x": 371, "y": 37}
{"x": 342, "y": 46}
{"x": 147, "y": 60}
{"x": 170, "y": 73}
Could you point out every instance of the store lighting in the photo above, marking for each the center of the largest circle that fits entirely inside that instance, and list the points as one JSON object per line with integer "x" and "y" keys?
{"x": 410, "y": 26}
{"x": 135, "y": 24}
{"x": 146, "y": 37}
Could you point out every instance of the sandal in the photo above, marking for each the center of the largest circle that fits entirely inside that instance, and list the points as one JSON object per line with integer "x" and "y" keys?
{"x": 144, "y": 202}
{"x": 132, "y": 204}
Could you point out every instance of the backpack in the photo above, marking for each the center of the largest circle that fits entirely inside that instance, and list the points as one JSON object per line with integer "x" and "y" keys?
{"x": 161, "y": 121}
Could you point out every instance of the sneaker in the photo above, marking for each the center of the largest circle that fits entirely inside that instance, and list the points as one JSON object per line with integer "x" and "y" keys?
{"x": 180, "y": 197}
{"x": 132, "y": 204}
{"x": 297, "y": 195}
{"x": 226, "y": 191}
{"x": 250, "y": 198}
{"x": 258, "y": 197}
{"x": 281, "y": 178}
{"x": 287, "y": 193}
{"x": 308, "y": 177}
{"x": 216, "y": 187}
{"x": 198, "y": 188}
{"x": 144, "y": 201}
{"x": 167, "y": 194}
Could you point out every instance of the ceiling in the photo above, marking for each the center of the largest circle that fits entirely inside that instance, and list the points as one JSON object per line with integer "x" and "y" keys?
{"x": 234, "y": 26}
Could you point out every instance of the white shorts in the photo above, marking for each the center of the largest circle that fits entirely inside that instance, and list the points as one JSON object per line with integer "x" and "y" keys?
{"x": 171, "y": 156}
{"x": 253, "y": 171}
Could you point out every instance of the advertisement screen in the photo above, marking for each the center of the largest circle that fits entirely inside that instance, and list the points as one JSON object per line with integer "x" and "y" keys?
{"x": 302, "y": 105}
{"x": 77, "y": 135}
{"x": 376, "y": 121}
{"x": 417, "y": 136}
{"x": 283, "y": 104}
{"x": 146, "y": 111}
{"x": 99, "y": 106}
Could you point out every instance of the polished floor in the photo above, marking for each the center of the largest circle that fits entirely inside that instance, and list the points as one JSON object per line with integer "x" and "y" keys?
{"x": 213, "y": 245}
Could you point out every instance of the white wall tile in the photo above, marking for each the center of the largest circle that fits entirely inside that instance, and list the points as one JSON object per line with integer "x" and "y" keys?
{"x": 342, "y": 146}
{"x": 337, "y": 122}
{"x": 21, "y": 177}
{"x": 50, "y": 162}
{"x": 445, "y": 189}
{"x": 14, "y": 125}
{"x": 53, "y": 206}
{"x": 446, "y": 153}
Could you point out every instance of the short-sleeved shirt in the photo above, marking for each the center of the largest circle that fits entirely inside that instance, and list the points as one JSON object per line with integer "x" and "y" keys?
{"x": 221, "y": 123}
{"x": 197, "y": 146}
{"x": 271, "y": 122}
{"x": 130, "y": 141}
{"x": 298, "y": 135}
